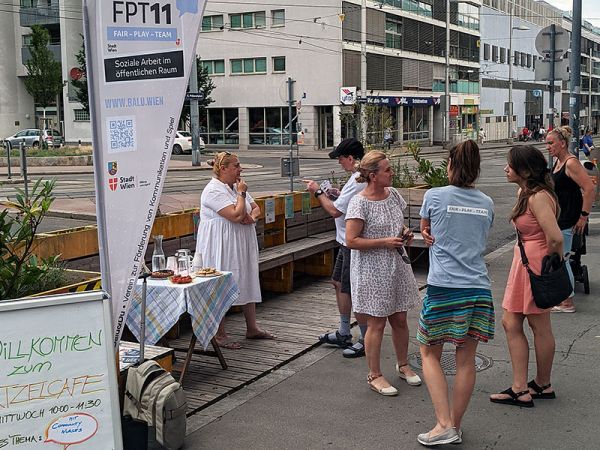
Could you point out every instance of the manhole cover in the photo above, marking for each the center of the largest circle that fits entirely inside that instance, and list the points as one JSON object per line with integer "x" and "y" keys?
{"x": 449, "y": 363}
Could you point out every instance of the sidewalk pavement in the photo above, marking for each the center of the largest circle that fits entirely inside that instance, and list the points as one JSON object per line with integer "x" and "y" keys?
{"x": 322, "y": 400}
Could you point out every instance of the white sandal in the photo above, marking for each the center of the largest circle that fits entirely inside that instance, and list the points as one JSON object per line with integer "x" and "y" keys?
{"x": 413, "y": 380}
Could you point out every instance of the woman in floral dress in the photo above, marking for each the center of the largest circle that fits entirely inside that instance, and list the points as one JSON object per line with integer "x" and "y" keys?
{"x": 382, "y": 283}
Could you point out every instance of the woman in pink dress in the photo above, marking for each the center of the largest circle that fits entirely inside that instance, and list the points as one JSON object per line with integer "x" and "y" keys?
{"x": 535, "y": 218}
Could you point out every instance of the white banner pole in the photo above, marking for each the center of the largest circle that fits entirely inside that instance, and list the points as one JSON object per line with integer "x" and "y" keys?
{"x": 139, "y": 58}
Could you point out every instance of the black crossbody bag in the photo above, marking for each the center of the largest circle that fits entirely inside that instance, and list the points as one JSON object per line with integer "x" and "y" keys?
{"x": 552, "y": 286}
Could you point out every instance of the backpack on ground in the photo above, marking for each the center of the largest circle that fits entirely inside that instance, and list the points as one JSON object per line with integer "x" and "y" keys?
{"x": 153, "y": 395}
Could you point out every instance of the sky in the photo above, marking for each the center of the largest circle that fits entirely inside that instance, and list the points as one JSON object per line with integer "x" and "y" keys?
{"x": 589, "y": 12}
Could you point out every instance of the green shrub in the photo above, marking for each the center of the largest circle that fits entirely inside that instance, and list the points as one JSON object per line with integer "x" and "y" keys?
{"x": 21, "y": 272}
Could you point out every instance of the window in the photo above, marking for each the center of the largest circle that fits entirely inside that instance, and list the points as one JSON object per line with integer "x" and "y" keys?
{"x": 270, "y": 126}
{"x": 515, "y": 58}
{"x": 494, "y": 53}
{"x": 278, "y": 17}
{"x": 249, "y": 65}
{"x": 212, "y": 23}
{"x": 279, "y": 64}
{"x": 528, "y": 60}
{"x": 248, "y": 20}
{"x": 215, "y": 67}
{"x": 486, "y": 52}
{"x": 502, "y": 55}
{"x": 393, "y": 31}
{"x": 219, "y": 126}
{"x": 81, "y": 115}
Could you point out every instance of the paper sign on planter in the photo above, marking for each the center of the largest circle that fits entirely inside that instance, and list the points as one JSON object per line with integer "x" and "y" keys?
{"x": 269, "y": 210}
{"x": 289, "y": 206}
{"x": 139, "y": 57}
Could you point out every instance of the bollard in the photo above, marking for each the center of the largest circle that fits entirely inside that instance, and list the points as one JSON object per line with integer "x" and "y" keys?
{"x": 23, "y": 154}
{"x": 8, "y": 150}
{"x": 79, "y": 143}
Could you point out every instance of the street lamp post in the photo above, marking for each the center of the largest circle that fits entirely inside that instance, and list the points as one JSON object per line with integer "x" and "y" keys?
{"x": 511, "y": 61}
{"x": 447, "y": 81}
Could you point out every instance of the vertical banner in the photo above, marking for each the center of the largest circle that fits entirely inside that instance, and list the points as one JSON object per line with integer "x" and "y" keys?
{"x": 139, "y": 57}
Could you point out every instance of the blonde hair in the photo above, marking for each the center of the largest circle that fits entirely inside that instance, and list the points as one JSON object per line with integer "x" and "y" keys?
{"x": 369, "y": 164}
{"x": 564, "y": 133}
{"x": 221, "y": 159}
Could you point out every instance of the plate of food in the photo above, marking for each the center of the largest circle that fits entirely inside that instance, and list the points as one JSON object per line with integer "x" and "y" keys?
{"x": 178, "y": 279}
{"x": 208, "y": 272}
{"x": 161, "y": 274}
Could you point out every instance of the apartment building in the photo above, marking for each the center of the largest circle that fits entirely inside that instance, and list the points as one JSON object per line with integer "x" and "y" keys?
{"x": 523, "y": 20}
{"x": 251, "y": 51}
{"x": 63, "y": 20}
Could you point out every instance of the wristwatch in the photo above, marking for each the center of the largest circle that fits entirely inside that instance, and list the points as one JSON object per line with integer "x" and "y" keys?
{"x": 318, "y": 192}
{"x": 585, "y": 213}
{"x": 243, "y": 194}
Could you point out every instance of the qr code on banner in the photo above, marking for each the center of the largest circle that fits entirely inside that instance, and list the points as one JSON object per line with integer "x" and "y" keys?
{"x": 121, "y": 134}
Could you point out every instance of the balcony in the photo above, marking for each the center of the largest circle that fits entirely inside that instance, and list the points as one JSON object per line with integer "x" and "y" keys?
{"x": 54, "y": 48}
{"x": 40, "y": 14}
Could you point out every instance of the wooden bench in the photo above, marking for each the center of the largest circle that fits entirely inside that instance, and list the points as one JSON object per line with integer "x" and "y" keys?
{"x": 313, "y": 255}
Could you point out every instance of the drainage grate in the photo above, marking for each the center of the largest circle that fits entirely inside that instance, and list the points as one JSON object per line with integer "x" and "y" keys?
{"x": 449, "y": 363}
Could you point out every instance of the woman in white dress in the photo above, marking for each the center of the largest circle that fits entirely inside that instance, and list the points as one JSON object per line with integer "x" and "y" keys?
{"x": 227, "y": 239}
{"x": 382, "y": 282}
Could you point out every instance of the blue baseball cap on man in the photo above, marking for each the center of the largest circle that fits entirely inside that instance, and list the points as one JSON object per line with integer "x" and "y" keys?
{"x": 348, "y": 147}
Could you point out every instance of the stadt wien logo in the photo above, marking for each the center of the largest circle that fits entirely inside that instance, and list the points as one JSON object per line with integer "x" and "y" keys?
{"x": 113, "y": 183}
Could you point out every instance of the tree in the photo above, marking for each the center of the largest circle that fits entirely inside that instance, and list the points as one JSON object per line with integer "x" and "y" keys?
{"x": 80, "y": 85}
{"x": 44, "y": 77}
{"x": 205, "y": 85}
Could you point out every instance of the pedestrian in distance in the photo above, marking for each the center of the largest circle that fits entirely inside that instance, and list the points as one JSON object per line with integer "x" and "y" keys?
{"x": 227, "y": 240}
{"x": 383, "y": 284}
{"x": 481, "y": 136}
{"x": 348, "y": 153}
{"x": 388, "y": 140}
{"x": 587, "y": 143}
{"x": 570, "y": 180}
{"x": 458, "y": 308}
{"x": 534, "y": 216}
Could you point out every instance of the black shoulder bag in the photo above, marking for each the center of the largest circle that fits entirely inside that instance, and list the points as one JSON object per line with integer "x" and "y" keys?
{"x": 553, "y": 285}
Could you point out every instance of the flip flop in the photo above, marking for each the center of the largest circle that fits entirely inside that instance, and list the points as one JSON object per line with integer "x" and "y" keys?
{"x": 513, "y": 399}
{"x": 539, "y": 391}
{"x": 230, "y": 345}
{"x": 261, "y": 335}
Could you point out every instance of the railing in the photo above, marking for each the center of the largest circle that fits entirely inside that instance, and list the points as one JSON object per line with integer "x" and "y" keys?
{"x": 39, "y": 15}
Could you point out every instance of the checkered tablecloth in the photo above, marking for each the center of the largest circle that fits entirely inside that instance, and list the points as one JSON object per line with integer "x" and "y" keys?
{"x": 205, "y": 299}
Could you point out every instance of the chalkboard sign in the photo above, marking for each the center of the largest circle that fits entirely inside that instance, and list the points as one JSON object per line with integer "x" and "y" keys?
{"x": 58, "y": 384}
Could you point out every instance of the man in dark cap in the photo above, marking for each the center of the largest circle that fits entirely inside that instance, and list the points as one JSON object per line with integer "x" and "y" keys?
{"x": 348, "y": 153}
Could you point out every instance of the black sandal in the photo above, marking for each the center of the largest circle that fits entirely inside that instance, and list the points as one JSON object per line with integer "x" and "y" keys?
{"x": 539, "y": 391}
{"x": 514, "y": 399}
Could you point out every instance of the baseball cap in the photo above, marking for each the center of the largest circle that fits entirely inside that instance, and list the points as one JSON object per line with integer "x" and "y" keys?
{"x": 348, "y": 147}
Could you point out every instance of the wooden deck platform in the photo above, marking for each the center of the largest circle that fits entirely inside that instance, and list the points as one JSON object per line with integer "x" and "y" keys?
{"x": 297, "y": 319}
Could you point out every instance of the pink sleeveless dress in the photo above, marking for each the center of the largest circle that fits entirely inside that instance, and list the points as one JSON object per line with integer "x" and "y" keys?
{"x": 517, "y": 296}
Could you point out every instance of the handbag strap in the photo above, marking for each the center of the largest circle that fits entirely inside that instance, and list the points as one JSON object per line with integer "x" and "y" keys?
{"x": 524, "y": 259}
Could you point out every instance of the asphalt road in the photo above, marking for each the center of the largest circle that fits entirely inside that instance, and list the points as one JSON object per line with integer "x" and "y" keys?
{"x": 266, "y": 178}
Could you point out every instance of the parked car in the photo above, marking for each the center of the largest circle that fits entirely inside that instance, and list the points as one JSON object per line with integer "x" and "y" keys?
{"x": 31, "y": 136}
{"x": 183, "y": 143}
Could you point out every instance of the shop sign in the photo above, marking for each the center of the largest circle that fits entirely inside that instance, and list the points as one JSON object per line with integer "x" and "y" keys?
{"x": 403, "y": 101}
{"x": 469, "y": 109}
{"x": 348, "y": 95}
{"x": 453, "y": 111}
{"x": 486, "y": 111}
